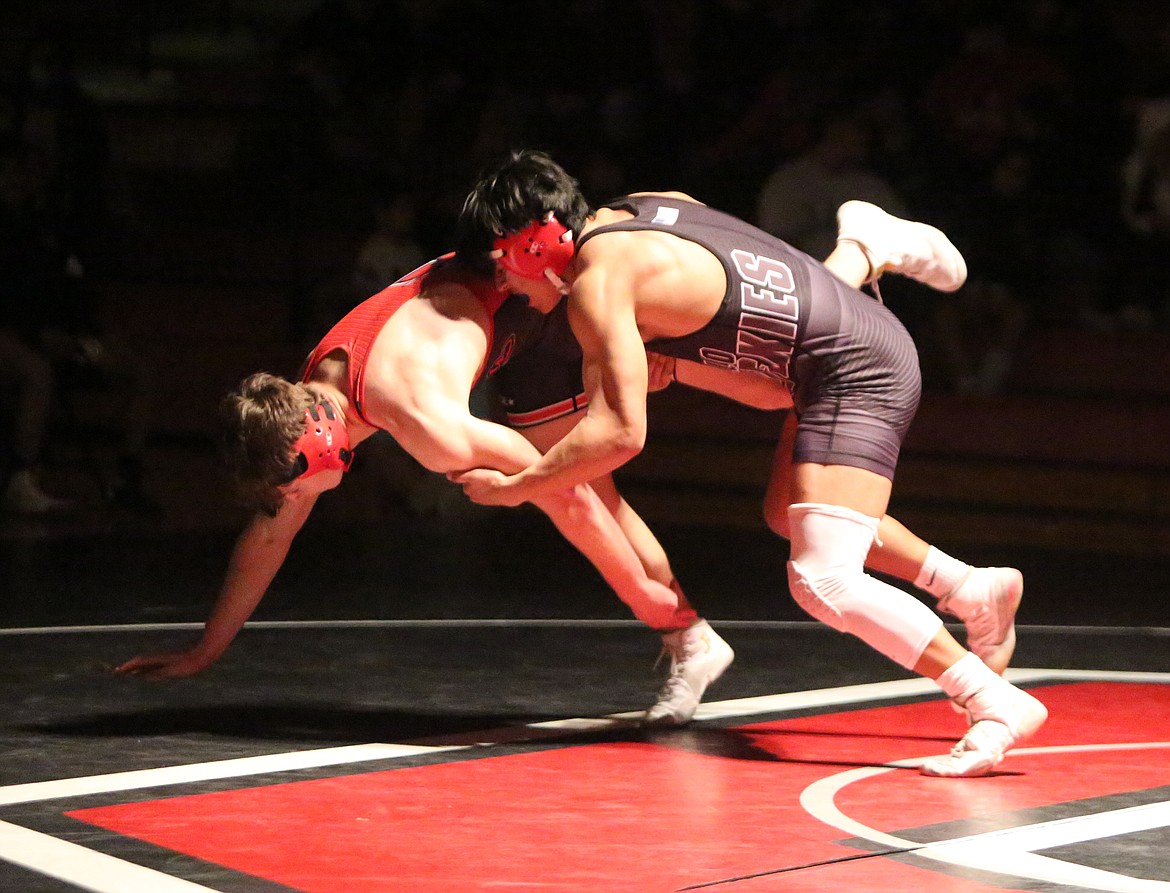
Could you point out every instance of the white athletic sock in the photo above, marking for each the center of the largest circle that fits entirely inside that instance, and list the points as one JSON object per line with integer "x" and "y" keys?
{"x": 941, "y": 574}
{"x": 965, "y": 677}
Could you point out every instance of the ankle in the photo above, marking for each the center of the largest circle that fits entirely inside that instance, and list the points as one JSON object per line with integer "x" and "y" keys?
{"x": 966, "y": 677}
{"x": 941, "y": 574}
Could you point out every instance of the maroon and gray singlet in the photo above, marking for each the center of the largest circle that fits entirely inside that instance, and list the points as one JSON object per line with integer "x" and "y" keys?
{"x": 850, "y": 364}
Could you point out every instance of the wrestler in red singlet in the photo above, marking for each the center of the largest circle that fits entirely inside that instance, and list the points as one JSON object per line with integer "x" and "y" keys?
{"x": 512, "y": 324}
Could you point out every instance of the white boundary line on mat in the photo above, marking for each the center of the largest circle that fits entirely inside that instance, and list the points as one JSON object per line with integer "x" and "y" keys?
{"x": 94, "y": 871}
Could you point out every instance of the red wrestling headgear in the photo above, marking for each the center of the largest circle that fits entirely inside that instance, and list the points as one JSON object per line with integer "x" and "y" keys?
{"x": 325, "y": 444}
{"x": 543, "y": 248}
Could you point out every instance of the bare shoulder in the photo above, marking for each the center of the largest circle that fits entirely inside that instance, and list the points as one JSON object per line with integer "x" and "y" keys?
{"x": 454, "y": 299}
{"x": 446, "y": 291}
{"x": 611, "y": 254}
{"x": 611, "y": 271}
{"x": 626, "y": 258}
{"x": 675, "y": 196}
{"x": 331, "y": 372}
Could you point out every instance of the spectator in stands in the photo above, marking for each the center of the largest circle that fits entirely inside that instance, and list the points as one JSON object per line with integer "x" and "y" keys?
{"x": 799, "y": 199}
{"x": 24, "y": 364}
{"x": 1146, "y": 214}
{"x": 391, "y": 250}
{"x": 30, "y": 374}
{"x": 51, "y": 340}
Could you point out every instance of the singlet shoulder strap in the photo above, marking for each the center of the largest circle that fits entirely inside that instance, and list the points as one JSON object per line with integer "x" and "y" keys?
{"x": 630, "y": 203}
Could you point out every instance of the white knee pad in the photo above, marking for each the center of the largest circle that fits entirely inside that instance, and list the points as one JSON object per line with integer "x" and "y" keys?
{"x": 827, "y": 578}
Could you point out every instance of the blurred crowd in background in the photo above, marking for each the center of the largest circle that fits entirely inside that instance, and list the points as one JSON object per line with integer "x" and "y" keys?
{"x": 1036, "y": 133}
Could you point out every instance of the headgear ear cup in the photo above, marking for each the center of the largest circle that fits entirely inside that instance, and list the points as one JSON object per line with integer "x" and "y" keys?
{"x": 542, "y": 246}
{"x": 325, "y": 444}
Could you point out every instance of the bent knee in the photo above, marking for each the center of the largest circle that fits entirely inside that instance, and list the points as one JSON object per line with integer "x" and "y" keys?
{"x": 825, "y": 597}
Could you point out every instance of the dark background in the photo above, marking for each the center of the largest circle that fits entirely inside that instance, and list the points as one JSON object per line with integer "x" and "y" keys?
{"x": 231, "y": 176}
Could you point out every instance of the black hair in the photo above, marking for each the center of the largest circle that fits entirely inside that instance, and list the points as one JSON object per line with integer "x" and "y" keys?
{"x": 509, "y": 195}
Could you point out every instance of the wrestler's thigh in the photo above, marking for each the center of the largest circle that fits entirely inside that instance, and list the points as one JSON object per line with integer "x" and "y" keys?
{"x": 859, "y": 489}
{"x": 778, "y": 496}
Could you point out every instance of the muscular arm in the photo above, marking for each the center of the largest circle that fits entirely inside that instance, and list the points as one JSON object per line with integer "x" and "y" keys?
{"x": 595, "y": 521}
{"x": 259, "y": 553}
{"x": 748, "y": 388}
{"x": 635, "y": 565}
{"x": 614, "y": 373}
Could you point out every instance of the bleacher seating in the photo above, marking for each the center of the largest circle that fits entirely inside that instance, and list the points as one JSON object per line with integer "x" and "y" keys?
{"x": 1074, "y": 454}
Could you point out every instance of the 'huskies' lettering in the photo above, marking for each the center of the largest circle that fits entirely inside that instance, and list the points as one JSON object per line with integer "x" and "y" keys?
{"x": 769, "y": 317}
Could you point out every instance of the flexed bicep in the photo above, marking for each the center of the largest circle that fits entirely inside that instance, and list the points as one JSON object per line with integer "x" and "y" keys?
{"x": 613, "y": 429}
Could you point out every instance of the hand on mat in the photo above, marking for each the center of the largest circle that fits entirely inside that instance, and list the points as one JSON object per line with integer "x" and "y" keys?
{"x": 164, "y": 665}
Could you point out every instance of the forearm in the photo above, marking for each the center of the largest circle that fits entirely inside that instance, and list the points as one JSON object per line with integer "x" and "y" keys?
{"x": 444, "y": 437}
{"x": 258, "y": 555}
{"x": 584, "y": 520}
{"x": 490, "y": 445}
{"x": 591, "y": 450}
{"x": 749, "y": 388}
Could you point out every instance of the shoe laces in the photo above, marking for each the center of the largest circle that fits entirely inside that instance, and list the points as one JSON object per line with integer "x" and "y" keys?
{"x": 981, "y": 622}
{"x": 874, "y": 275}
{"x": 683, "y": 646}
{"x": 675, "y": 688}
{"x": 988, "y": 736}
{"x": 665, "y": 651}
{"x": 678, "y": 658}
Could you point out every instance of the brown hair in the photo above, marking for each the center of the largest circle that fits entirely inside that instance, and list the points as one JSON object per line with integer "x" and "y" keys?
{"x": 260, "y": 422}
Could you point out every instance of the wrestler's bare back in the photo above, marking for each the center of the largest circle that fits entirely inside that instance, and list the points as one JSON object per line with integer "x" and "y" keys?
{"x": 429, "y": 352}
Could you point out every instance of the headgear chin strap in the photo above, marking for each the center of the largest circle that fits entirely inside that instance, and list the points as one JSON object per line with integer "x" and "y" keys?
{"x": 543, "y": 248}
{"x": 325, "y": 444}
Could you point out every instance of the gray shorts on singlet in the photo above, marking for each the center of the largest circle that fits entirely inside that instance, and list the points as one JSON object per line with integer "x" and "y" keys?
{"x": 850, "y": 364}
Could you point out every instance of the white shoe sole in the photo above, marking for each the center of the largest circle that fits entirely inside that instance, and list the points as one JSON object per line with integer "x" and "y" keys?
{"x": 998, "y": 655}
{"x": 941, "y": 266}
{"x": 677, "y": 717}
{"x": 975, "y": 760}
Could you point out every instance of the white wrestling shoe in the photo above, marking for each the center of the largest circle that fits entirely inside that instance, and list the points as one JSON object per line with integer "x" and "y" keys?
{"x": 698, "y": 656}
{"x": 1002, "y": 716}
{"x": 916, "y": 250}
{"x": 987, "y": 602}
